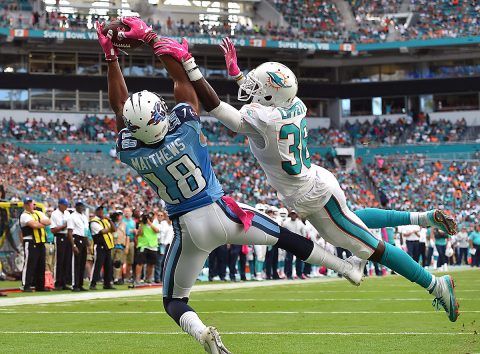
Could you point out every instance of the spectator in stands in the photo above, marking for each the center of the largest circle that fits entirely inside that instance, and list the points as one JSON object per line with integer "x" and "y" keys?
{"x": 461, "y": 246}
{"x": 63, "y": 261}
{"x": 131, "y": 231}
{"x": 165, "y": 238}
{"x": 49, "y": 246}
{"x": 294, "y": 224}
{"x": 441, "y": 240}
{"x": 217, "y": 263}
{"x": 411, "y": 237}
{"x": 121, "y": 248}
{"x": 474, "y": 237}
{"x": 147, "y": 248}
{"x": 77, "y": 226}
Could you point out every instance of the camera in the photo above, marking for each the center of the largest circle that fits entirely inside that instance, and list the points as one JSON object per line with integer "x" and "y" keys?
{"x": 146, "y": 217}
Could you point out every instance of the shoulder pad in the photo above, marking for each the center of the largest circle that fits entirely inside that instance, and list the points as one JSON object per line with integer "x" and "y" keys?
{"x": 126, "y": 141}
{"x": 181, "y": 113}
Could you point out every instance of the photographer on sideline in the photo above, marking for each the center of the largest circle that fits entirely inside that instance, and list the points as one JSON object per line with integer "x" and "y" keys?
{"x": 147, "y": 248}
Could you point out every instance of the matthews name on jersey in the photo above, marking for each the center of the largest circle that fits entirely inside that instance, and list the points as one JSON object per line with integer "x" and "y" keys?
{"x": 278, "y": 139}
{"x": 178, "y": 168}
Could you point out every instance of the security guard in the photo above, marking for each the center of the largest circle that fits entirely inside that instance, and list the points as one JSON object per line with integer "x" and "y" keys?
{"x": 102, "y": 229}
{"x": 77, "y": 228}
{"x": 63, "y": 265}
{"x": 32, "y": 223}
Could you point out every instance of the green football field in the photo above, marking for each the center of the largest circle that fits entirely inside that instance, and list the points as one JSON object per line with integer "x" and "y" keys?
{"x": 384, "y": 315}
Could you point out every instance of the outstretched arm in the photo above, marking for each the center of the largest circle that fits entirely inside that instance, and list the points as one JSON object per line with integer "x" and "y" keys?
{"x": 225, "y": 113}
{"x": 117, "y": 92}
{"x": 230, "y": 54}
{"x": 117, "y": 88}
{"x": 183, "y": 90}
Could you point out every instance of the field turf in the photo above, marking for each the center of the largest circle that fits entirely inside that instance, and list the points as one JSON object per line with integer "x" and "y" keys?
{"x": 384, "y": 315}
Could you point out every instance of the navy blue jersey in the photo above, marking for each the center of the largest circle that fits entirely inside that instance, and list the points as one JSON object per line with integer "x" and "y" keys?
{"x": 178, "y": 168}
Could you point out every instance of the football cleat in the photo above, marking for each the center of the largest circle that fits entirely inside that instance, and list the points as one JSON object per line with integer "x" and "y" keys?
{"x": 438, "y": 218}
{"x": 444, "y": 292}
{"x": 211, "y": 341}
{"x": 354, "y": 274}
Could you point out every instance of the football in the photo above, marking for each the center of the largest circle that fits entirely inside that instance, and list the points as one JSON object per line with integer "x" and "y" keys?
{"x": 121, "y": 43}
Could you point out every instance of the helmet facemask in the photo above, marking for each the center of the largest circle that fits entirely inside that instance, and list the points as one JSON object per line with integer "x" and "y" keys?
{"x": 250, "y": 88}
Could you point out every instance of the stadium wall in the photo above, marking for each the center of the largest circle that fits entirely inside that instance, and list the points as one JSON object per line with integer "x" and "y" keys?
{"x": 471, "y": 117}
{"x": 77, "y": 118}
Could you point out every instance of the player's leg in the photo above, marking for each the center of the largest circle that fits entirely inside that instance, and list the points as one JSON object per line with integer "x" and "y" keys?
{"x": 260, "y": 253}
{"x": 266, "y": 231}
{"x": 377, "y": 218}
{"x": 196, "y": 235}
{"x": 341, "y": 227}
{"x": 98, "y": 258}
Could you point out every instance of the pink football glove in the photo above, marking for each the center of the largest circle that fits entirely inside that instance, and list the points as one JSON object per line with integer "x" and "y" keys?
{"x": 139, "y": 30}
{"x": 168, "y": 46}
{"x": 111, "y": 52}
{"x": 230, "y": 55}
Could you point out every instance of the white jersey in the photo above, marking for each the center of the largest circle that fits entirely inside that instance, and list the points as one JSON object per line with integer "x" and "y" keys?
{"x": 278, "y": 140}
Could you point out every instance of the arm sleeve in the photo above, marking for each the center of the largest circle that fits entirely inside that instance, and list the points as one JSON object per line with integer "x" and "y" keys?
{"x": 71, "y": 223}
{"x": 55, "y": 220}
{"x": 95, "y": 227}
{"x": 233, "y": 119}
{"x": 24, "y": 218}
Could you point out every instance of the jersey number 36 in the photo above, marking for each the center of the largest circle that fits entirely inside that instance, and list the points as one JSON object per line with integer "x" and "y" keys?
{"x": 298, "y": 154}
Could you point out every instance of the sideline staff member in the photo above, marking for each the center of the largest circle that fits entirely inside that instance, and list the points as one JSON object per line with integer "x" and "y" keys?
{"x": 77, "y": 226}
{"x": 102, "y": 230}
{"x": 63, "y": 265}
{"x": 32, "y": 223}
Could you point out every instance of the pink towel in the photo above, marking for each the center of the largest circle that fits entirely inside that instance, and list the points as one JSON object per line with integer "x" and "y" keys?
{"x": 245, "y": 216}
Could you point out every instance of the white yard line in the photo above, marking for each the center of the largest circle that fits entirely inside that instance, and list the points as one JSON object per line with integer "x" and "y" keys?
{"x": 9, "y": 312}
{"x": 108, "y": 295}
{"x": 124, "y": 295}
{"x": 250, "y": 333}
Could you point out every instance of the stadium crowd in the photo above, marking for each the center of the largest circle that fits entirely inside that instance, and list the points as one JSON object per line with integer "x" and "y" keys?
{"x": 318, "y": 20}
{"x": 399, "y": 183}
{"x": 379, "y": 132}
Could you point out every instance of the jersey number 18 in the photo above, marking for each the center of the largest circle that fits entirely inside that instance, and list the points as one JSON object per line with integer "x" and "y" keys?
{"x": 188, "y": 176}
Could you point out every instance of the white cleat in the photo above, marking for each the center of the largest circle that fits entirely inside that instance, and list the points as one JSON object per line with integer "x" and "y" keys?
{"x": 444, "y": 293}
{"x": 211, "y": 341}
{"x": 355, "y": 273}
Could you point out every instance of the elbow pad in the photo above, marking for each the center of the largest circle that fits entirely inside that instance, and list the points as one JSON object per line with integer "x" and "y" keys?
{"x": 228, "y": 115}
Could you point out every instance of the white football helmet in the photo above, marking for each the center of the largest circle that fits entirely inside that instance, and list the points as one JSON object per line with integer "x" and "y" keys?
{"x": 270, "y": 84}
{"x": 283, "y": 213}
{"x": 261, "y": 207}
{"x": 274, "y": 210}
{"x": 146, "y": 116}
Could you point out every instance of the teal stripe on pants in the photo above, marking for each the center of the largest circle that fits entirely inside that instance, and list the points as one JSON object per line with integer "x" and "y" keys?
{"x": 172, "y": 260}
{"x": 349, "y": 226}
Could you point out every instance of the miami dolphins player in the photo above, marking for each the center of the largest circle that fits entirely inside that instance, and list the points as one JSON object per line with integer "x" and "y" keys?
{"x": 275, "y": 124}
{"x": 169, "y": 152}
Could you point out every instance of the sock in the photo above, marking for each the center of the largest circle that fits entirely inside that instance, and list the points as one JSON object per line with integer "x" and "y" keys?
{"x": 259, "y": 267}
{"x": 400, "y": 262}
{"x": 320, "y": 256}
{"x": 433, "y": 284}
{"x": 192, "y": 324}
{"x": 251, "y": 264}
{"x": 375, "y": 218}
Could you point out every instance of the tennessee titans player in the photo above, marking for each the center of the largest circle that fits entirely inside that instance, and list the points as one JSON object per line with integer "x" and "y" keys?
{"x": 169, "y": 151}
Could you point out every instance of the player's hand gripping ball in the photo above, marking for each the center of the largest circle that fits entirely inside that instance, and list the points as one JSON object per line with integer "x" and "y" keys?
{"x": 129, "y": 32}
